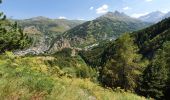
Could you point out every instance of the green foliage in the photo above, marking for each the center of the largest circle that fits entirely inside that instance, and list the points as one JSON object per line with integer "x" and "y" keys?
{"x": 102, "y": 28}
{"x": 153, "y": 44}
{"x": 29, "y": 78}
{"x": 166, "y": 50}
{"x": 11, "y": 36}
{"x": 93, "y": 56}
{"x": 119, "y": 57}
{"x": 39, "y": 84}
{"x": 74, "y": 66}
{"x": 154, "y": 80}
{"x": 152, "y": 38}
{"x": 123, "y": 68}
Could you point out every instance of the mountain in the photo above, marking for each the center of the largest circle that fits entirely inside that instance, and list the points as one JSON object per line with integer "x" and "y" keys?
{"x": 148, "y": 40}
{"x": 166, "y": 15}
{"x": 43, "y": 30}
{"x": 151, "y": 39}
{"x": 117, "y": 16}
{"x": 44, "y": 24}
{"x": 145, "y": 52}
{"x": 135, "y": 58}
{"x": 109, "y": 26}
{"x": 152, "y": 17}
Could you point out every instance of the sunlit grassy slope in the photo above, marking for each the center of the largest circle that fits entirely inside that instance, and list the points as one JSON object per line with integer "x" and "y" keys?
{"x": 34, "y": 78}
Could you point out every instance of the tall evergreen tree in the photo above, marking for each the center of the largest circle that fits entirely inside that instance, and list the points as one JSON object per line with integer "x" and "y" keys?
{"x": 154, "y": 80}
{"x": 123, "y": 68}
{"x": 167, "y": 59}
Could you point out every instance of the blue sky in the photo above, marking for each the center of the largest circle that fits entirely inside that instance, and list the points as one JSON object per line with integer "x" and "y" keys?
{"x": 79, "y": 9}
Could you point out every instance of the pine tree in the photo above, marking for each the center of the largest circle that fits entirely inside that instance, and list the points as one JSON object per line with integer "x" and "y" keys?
{"x": 123, "y": 69}
{"x": 11, "y": 35}
{"x": 166, "y": 49}
{"x": 154, "y": 80}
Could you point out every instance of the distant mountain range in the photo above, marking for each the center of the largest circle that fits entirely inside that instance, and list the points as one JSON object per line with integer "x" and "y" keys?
{"x": 56, "y": 34}
{"x": 166, "y": 15}
{"x": 154, "y": 17}
{"x": 43, "y": 30}
{"x": 148, "y": 40}
{"x": 109, "y": 26}
{"x": 44, "y": 24}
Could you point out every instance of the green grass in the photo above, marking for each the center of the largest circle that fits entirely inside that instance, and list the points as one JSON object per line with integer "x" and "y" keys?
{"x": 33, "y": 78}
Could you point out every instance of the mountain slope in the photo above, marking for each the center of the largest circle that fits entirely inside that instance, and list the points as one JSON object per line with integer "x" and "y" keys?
{"x": 152, "y": 17}
{"x": 151, "y": 39}
{"x": 108, "y": 26}
{"x": 44, "y": 24}
{"x": 45, "y": 27}
{"x": 148, "y": 40}
{"x": 166, "y": 15}
{"x": 131, "y": 60}
{"x": 35, "y": 78}
{"x": 43, "y": 30}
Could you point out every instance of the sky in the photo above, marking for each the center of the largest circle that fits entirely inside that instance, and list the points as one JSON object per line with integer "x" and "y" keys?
{"x": 80, "y": 9}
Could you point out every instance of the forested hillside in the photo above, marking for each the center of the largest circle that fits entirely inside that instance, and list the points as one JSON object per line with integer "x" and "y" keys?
{"x": 137, "y": 61}
{"x": 107, "y": 27}
{"x": 62, "y": 75}
{"x": 113, "y": 57}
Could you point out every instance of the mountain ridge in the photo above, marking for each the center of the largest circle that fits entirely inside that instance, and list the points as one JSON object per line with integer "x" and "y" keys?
{"x": 154, "y": 17}
{"x": 108, "y": 26}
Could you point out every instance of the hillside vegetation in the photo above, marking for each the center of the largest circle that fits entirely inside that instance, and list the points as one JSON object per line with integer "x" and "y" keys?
{"x": 97, "y": 60}
{"x": 36, "y": 79}
{"x": 137, "y": 61}
{"x": 107, "y": 27}
{"x": 12, "y": 36}
{"x": 47, "y": 25}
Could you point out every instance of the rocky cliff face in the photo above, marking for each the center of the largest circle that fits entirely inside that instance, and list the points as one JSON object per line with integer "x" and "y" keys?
{"x": 59, "y": 44}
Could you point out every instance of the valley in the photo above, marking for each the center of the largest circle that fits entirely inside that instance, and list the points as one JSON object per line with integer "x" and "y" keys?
{"x": 112, "y": 56}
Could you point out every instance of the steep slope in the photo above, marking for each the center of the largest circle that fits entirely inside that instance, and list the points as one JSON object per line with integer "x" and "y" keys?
{"x": 148, "y": 40}
{"x": 45, "y": 27}
{"x": 43, "y": 30}
{"x": 166, "y": 15}
{"x": 152, "y": 17}
{"x": 34, "y": 78}
{"x": 109, "y": 26}
{"x": 151, "y": 39}
{"x": 137, "y": 61}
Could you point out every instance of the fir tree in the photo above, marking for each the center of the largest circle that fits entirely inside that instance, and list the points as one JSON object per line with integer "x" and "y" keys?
{"x": 154, "y": 80}
{"x": 123, "y": 69}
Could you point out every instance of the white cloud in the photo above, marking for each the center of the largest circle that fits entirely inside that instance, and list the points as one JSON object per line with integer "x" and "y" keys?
{"x": 62, "y": 17}
{"x": 137, "y": 15}
{"x": 126, "y": 8}
{"x": 102, "y": 9}
{"x": 91, "y": 8}
{"x": 148, "y": 0}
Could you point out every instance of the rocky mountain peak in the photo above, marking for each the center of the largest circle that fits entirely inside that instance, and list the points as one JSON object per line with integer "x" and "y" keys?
{"x": 115, "y": 14}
